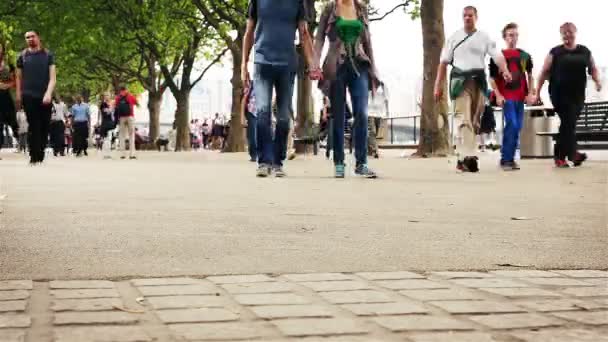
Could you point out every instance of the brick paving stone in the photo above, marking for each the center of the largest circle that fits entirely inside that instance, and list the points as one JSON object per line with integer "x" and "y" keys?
{"x": 488, "y": 282}
{"x": 221, "y": 331}
{"x": 14, "y": 321}
{"x": 462, "y": 275}
{"x": 583, "y": 273}
{"x": 516, "y": 321}
{"x": 237, "y": 279}
{"x": 271, "y": 299}
{"x": 596, "y": 291}
{"x": 183, "y": 302}
{"x": 513, "y": 292}
{"x": 318, "y": 277}
{"x": 476, "y": 306}
{"x": 561, "y": 335}
{"x": 7, "y": 335}
{"x": 453, "y": 337}
{"x": 563, "y": 304}
{"x": 81, "y": 284}
{"x": 93, "y": 304}
{"x": 291, "y": 311}
{"x": 389, "y": 275}
{"x": 101, "y": 317}
{"x": 585, "y": 317}
{"x": 354, "y": 297}
{"x": 16, "y": 285}
{"x": 165, "y": 281}
{"x": 339, "y": 285}
{"x": 378, "y": 309}
{"x": 85, "y": 293}
{"x": 320, "y": 327}
{"x": 177, "y": 290}
{"x": 526, "y": 274}
{"x": 14, "y": 295}
{"x": 442, "y": 294}
{"x": 562, "y": 282}
{"x": 101, "y": 334}
{"x": 410, "y": 284}
{"x": 13, "y": 305}
{"x": 270, "y": 287}
{"x": 197, "y": 315}
{"x": 422, "y": 322}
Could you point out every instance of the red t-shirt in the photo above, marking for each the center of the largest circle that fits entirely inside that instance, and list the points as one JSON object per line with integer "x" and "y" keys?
{"x": 519, "y": 63}
{"x": 130, "y": 98}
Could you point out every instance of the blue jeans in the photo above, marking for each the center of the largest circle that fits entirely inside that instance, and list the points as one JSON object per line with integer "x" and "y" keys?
{"x": 252, "y": 135}
{"x": 358, "y": 86}
{"x": 514, "y": 117}
{"x": 281, "y": 78}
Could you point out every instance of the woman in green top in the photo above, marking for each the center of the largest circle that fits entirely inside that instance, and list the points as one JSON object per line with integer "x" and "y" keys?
{"x": 349, "y": 64}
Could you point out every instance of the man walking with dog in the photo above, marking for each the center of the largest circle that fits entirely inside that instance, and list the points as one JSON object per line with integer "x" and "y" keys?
{"x": 465, "y": 51}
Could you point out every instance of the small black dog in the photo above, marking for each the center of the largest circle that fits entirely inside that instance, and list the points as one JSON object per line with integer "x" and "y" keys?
{"x": 471, "y": 164}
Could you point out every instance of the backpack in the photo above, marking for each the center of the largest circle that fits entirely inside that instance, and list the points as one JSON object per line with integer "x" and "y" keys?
{"x": 123, "y": 108}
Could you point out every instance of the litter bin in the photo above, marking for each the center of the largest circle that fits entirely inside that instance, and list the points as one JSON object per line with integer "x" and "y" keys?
{"x": 531, "y": 144}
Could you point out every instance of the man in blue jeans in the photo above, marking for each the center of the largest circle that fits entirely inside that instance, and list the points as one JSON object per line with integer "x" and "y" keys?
{"x": 271, "y": 26}
{"x": 512, "y": 95}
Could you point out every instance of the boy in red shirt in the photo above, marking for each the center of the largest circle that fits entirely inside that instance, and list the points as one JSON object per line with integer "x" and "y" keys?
{"x": 125, "y": 114}
{"x": 512, "y": 95}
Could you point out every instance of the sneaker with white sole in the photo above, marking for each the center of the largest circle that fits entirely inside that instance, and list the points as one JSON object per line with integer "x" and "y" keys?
{"x": 364, "y": 171}
{"x": 263, "y": 171}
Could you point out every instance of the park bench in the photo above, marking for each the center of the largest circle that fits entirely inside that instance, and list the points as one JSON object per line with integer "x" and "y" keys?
{"x": 592, "y": 125}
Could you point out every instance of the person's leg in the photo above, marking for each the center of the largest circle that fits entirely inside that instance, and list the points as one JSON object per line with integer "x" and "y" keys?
{"x": 85, "y": 138}
{"x": 509, "y": 139}
{"x": 519, "y": 124}
{"x": 31, "y": 107}
{"x": 465, "y": 133}
{"x": 337, "y": 97}
{"x": 123, "y": 136}
{"x": 371, "y": 136}
{"x": 131, "y": 129}
{"x": 359, "y": 90}
{"x": 252, "y": 136}
{"x": 263, "y": 98}
{"x": 284, "y": 82}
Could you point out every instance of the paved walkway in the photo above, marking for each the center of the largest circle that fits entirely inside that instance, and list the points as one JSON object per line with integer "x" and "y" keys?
{"x": 180, "y": 214}
{"x": 507, "y": 306}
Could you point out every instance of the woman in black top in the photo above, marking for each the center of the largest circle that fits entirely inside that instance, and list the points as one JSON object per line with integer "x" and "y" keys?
{"x": 8, "y": 114}
{"x": 567, "y": 66}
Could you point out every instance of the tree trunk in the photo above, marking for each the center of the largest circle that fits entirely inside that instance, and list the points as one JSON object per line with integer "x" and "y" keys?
{"x": 434, "y": 125}
{"x": 182, "y": 120}
{"x": 154, "y": 102}
{"x": 236, "y": 138}
{"x": 305, "y": 116}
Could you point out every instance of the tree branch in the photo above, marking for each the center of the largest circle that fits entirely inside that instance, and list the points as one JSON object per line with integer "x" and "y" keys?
{"x": 213, "y": 62}
{"x": 401, "y": 5}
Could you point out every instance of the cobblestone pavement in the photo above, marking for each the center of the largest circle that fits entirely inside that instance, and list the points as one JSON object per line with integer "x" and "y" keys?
{"x": 505, "y": 305}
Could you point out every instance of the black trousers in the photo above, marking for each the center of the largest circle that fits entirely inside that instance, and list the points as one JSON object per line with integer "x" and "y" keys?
{"x": 38, "y": 119}
{"x": 58, "y": 137}
{"x": 8, "y": 115}
{"x": 81, "y": 134}
{"x": 568, "y": 109}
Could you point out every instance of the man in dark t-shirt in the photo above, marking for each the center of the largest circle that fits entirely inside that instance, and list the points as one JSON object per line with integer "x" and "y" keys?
{"x": 567, "y": 66}
{"x": 271, "y": 26}
{"x": 36, "y": 78}
{"x": 512, "y": 95}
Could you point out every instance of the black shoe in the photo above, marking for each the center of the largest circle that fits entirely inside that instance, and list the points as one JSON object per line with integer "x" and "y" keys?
{"x": 579, "y": 159}
{"x": 132, "y": 157}
{"x": 123, "y": 157}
